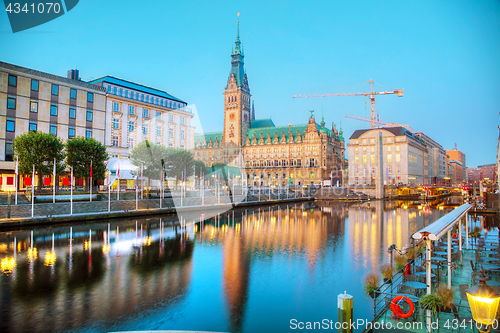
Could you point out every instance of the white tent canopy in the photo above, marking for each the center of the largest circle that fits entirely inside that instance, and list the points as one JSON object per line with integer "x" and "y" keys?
{"x": 125, "y": 166}
{"x": 439, "y": 228}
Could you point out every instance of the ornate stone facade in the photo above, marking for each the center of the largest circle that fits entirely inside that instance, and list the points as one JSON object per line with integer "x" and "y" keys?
{"x": 267, "y": 154}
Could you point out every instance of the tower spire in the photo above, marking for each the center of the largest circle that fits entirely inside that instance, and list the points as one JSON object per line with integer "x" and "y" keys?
{"x": 238, "y": 43}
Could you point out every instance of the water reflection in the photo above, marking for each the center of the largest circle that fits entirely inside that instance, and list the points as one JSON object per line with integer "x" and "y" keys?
{"x": 89, "y": 276}
{"x": 245, "y": 270}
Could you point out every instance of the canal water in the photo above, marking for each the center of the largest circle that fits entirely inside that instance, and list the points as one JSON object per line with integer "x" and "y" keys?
{"x": 250, "y": 270}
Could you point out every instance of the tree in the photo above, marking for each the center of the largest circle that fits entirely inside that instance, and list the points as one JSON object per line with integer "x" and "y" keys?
{"x": 177, "y": 162}
{"x": 199, "y": 167}
{"x": 80, "y": 152}
{"x": 149, "y": 156}
{"x": 39, "y": 149}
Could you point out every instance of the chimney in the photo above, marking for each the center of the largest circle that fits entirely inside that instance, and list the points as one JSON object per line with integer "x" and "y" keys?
{"x": 73, "y": 74}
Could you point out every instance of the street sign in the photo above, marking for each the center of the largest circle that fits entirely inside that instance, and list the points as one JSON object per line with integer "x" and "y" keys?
{"x": 203, "y": 204}
{"x": 202, "y": 216}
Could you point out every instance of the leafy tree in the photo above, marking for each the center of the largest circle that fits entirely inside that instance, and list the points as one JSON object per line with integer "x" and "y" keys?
{"x": 80, "y": 152}
{"x": 39, "y": 149}
{"x": 199, "y": 167}
{"x": 177, "y": 161}
{"x": 149, "y": 156}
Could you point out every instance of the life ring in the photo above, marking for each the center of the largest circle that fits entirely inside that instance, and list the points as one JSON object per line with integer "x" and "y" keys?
{"x": 454, "y": 236}
{"x": 396, "y": 309}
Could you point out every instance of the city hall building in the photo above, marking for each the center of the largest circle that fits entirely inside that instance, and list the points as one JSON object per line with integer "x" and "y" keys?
{"x": 268, "y": 154}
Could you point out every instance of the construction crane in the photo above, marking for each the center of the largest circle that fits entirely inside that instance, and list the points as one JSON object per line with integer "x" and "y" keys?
{"x": 379, "y": 122}
{"x": 371, "y": 94}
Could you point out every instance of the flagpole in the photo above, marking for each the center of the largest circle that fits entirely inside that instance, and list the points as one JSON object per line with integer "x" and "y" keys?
{"x": 161, "y": 184}
{"x": 54, "y": 189}
{"x": 142, "y": 184}
{"x": 109, "y": 191}
{"x": 15, "y": 180}
{"x": 136, "y": 189}
{"x": 33, "y": 192}
{"x": 118, "y": 186}
{"x": 71, "y": 194}
{"x": 90, "y": 180}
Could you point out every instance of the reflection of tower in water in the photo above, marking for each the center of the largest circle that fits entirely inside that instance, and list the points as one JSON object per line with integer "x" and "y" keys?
{"x": 265, "y": 233}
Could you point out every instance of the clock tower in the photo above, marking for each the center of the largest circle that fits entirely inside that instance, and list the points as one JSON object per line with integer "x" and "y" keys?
{"x": 236, "y": 99}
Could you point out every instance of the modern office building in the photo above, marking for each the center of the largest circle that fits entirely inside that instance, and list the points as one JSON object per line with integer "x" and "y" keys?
{"x": 461, "y": 167}
{"x": 409, "y": 158}
{"x": 31, "y": 100}
{"x": 135, "y": 112}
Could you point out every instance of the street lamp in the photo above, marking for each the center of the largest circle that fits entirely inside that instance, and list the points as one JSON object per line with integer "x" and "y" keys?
{"x": 483, "y": 301}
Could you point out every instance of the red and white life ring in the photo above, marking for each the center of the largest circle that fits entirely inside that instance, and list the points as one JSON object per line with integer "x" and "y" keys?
{"x": 454, "y": 236}
{"x": 396, "y": 308}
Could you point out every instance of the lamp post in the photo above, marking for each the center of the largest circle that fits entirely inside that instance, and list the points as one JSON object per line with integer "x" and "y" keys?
{"x": 483, "y": 301}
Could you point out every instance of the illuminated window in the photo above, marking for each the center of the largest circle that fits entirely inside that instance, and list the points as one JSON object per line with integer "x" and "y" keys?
{"x": 356, "y": 159}
{"x": 389, "y": 158}
{"x": 372, "y": 158}
{"x": 364, "y": 158}
{"x": 34, "y": 106}
{"x": 398, "y": 157}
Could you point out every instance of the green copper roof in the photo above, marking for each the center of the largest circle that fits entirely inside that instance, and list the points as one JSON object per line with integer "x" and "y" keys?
{"x": 272, "y": 130}
{"x": 262, "y": 123}
{"x": 206, "y": 137}
{"x": 237, "y": 63}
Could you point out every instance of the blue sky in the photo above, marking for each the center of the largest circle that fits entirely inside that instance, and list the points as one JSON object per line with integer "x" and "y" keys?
{"x": 445, "y": 54}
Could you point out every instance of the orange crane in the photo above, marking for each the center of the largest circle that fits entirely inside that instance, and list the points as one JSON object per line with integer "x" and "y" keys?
{"x": 380, "y": 122}
{"x": 371, "y": 94}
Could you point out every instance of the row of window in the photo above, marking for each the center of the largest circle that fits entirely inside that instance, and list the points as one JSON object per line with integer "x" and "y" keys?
{"x": 143, "y": 98}
{"x": 11, "y": 104}
{"x": 54, "y": 89}
{"x": 33, "y": 126}
{"x": 277, "y": 176}
{"x": 115, "y": 141}
{"x": 145, "y": 127}
{"x": 372, "y": 149}
{"x": 388, "y": 170}
{"x": 372, "y": 158}
{"x": 145, "y": 113}
{"x": 278, "y": 163}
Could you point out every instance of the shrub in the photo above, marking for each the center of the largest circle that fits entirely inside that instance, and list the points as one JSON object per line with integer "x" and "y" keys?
{"x": 386, "y": 271}
{"x": 371, "y": 283}
{"x": 400, "y": 261}
{"x": 431, "y": 302}
{"x": 446, "y": 294}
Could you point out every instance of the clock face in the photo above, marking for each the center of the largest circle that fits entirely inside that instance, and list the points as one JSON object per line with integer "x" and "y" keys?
{"x": 232, "y": 116}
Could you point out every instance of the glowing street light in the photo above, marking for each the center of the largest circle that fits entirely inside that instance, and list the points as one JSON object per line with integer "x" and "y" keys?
{"x": 483, "y": 301}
